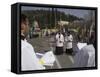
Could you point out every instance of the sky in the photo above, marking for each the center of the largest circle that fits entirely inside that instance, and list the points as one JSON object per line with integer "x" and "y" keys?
{"x": 77, "y": 12}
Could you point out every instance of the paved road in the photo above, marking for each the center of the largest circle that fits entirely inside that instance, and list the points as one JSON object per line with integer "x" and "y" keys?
{"x": 62, "y": 61}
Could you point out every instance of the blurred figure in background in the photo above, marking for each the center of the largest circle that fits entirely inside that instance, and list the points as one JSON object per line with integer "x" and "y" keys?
{"x": 69, "y": 40}
{"x": 92, "y": 39}
{"x": 59, "y": 43}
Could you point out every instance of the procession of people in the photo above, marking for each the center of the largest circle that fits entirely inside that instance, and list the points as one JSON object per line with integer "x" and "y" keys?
{"x": 62, "y": 43}
{"x": 60, "y": 40}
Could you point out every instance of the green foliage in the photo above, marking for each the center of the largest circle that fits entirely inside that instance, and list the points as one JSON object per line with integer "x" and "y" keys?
{"x": 48, "y": 18}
